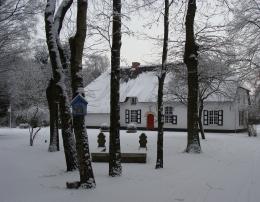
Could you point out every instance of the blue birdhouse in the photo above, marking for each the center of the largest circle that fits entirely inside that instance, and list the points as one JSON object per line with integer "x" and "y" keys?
{"x": 79, "y": 106}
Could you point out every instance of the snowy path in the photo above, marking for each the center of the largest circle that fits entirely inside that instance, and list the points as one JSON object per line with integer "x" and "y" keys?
{"x": 228, "y": 170}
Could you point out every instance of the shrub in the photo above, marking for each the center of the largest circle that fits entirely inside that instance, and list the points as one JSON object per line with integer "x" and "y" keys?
{"x": 104, "y": 127}
{"x": 131, "y": 128}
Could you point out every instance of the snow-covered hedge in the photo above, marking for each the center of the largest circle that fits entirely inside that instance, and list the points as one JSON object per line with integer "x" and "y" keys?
{"x": 104, "y": 127}
{"x": 131, "y": 128}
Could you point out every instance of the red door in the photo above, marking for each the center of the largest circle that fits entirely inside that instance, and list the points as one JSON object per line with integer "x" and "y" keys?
{"x": 150, "y": 121}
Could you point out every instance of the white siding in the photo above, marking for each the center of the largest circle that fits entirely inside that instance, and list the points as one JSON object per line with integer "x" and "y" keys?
{"x": 230, "y": 113}
{"x": 97, "y": 119}
{"x": 145, "y": 107}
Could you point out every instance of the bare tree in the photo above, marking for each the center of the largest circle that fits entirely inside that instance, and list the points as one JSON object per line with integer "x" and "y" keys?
{"x": 35, "y": 117}
{"x": 244, "y": 29}
{"x": 26, "y": 82}
{"x": 51, "y": 95}
{"x": 53, "y": 25}
{"x": 161, "y": 78}
{"x": 115, "y": 168}
{"x": 213, "y": 77}
{"x": 87, "y": 179}
{"x": 191, "y": 61}
{"x": 17, "y": 18}
{"x": 95, "y": 65}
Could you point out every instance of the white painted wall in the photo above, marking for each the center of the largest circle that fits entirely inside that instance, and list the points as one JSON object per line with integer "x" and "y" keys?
{"x": 144, "y": 107}
{"x": 97, "y": 119}
{"x": 230, "y": 113}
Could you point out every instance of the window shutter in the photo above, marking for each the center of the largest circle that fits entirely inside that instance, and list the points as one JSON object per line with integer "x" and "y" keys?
{"x": 216, "y": 117}
{"x": 126, "y": 116}
{"x": 163, "y": 118}
{"x": 174, "y": 119}
{"x": 139, "y": 116}
{"x": 205, "y": 117}
{"x": 220, "y": 117}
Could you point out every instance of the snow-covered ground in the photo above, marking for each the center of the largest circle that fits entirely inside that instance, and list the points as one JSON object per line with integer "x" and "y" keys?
{"x": 228, "y": 170}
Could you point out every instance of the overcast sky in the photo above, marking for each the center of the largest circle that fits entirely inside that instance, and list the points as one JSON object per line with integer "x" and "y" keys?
{"x": 137, "y": 48}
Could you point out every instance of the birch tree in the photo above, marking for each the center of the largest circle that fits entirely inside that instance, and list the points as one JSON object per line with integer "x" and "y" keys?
{"x": 115, "y": 168}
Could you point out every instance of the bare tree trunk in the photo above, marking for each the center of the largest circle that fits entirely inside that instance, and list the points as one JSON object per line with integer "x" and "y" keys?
{"x": 161, "y": 78}
{"x": 69, "y": 143}
{"x": 76, "y": 45}
{"x": 52, "y": 35}
{"x": 191, "y": 61}
{"x": 31, "y": 135}
{"x": 200, "y": 121}
{"x": 53, "y": 111}
{"x": 115, "y": 168}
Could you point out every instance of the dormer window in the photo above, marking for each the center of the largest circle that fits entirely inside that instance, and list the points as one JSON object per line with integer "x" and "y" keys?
{"x": 133, "y": 101}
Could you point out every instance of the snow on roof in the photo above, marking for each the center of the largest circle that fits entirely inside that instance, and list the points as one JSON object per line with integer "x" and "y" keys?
{"x": 98, "y": 94}
{"x": 144, "y": 86}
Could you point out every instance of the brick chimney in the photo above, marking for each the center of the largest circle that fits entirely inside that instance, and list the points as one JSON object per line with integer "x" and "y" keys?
{"x": 135, "y": 65}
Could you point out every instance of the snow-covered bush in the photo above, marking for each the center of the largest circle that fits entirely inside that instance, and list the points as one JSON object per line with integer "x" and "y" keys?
{"x": 104, "y": 127}
{"x": 131, "y": 128}
{"x": 35, "y": 117}
{"x": 23, "y": 125}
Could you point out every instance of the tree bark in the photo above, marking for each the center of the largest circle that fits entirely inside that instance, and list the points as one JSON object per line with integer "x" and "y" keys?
{"x": 58, "y": 75}
{"x": 53, "y": 111}
{"x": 115, "y": 168}
{"x": 161, "y": 78}
{"x": 200, "y": 121}
{"x": 191, "y": 61}
{"x": 77, "y": 45}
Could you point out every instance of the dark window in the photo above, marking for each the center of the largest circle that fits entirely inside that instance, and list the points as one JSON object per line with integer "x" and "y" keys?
{"x": 126, "y": 116}
{"x": 205, "y": 117}
{"x": 133, "y": 100}
{"x": 168, "y": 115}
{"x": 216, "y": 117}
{"x": 213, "y": 117}
{"x": 168, "y": 118}
{"x": 135, "y": 116}
{"x": 241, "y": 118}
{"x": 168, "y": 111}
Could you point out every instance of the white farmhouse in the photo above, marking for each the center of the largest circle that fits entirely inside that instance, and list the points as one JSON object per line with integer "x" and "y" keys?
{"x": 138, "y": 95}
